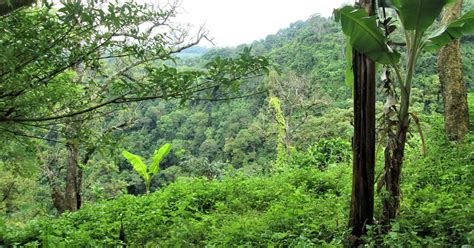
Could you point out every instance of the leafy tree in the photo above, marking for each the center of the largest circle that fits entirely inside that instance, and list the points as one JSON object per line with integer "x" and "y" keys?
{"x": 364, "y": 35}
{"x": 106, "y": 45}
{"x": 215, "y": 186}
{"x": 293, "y": 99}
{"x": 202, "y": 167}
{"x": 69, "y": 63}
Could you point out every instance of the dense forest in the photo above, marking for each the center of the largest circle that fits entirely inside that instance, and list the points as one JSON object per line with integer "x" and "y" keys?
{"x": 114, "y": 135}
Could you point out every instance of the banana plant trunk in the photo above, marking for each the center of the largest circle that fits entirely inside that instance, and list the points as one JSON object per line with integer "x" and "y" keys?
{"x": 363, "y": 143}
{"x": 394, "y": 153}
{"x": 395, "y": 148}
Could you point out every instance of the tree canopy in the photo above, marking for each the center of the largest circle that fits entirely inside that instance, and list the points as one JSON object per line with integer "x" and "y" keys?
{"x": 118, "y": 129}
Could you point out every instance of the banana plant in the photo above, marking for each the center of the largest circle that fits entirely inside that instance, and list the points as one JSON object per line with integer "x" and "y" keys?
{"x": 366, "y": 35}
{"x": 145, "y": 172}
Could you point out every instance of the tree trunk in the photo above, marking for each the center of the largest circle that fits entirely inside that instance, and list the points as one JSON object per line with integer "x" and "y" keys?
{"x": 394, "y": 153}
{"x": 363, "y": 144}
{"x": 58, "y": 200}
{"x": 56, "y": 195}
{"x": 72, "y": 175}
{"x": 79, "y": 188}
{"x": 456, "y": 114}
{"x": 73, "y": 194}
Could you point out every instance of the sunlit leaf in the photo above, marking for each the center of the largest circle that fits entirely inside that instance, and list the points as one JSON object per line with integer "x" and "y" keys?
{"x": 137, "y": 164}
{"x": 158, "y": 156}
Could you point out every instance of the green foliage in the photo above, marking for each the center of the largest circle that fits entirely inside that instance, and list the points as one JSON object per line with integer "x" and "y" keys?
{"x": 324, "y": 153}
{"x": 200, "y": 167}
{"x": 137, "y": 164}
{"x": 461, "y": 27}
{"x": 215, "y": 188}
{"x": 363, "y": 34}
{"x": 418, "y": 15}
{"x": 157, "y": 157}
{"x": 96, "y": 39}
{"x": 275, "y": 104}
{"x": 140, "y": 167}
{"x": 437, "y": 205}
{"x": 303, "y": 207}
{"x": 310, "y": 48}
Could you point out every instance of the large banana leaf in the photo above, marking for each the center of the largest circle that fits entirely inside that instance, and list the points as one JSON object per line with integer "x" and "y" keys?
{"x": 458, "y": 28}
{"x": 417, "y": 14}
{"x": 158, "y": 156}
{"x": 137, "y": 164}
{"x": 364, "y": 35}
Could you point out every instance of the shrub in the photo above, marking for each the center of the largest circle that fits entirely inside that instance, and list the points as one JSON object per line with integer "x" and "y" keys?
{"x": 304, "y": 206}
{"x": 323, "y": 154}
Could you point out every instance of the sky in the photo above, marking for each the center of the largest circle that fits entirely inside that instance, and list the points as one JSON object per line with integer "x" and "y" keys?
{"x": 235, "y": 22}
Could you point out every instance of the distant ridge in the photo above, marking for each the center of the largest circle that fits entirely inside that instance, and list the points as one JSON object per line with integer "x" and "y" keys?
{"x": 195, "y": 51}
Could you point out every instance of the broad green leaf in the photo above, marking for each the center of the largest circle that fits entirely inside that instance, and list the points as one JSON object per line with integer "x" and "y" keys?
{"x": 418, "y": 14}
{"x": 458, "y": 28}
{"x": 137, "y": 164}
{"x": 364, "y": 35}
{"x": 158, "y": 156}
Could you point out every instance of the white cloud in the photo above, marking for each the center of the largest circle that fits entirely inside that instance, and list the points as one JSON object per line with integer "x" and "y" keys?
{"x": 233, "y": 22}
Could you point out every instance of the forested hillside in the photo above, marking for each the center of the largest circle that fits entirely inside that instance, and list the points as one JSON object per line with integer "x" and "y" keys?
{"x": 262, "y": 157}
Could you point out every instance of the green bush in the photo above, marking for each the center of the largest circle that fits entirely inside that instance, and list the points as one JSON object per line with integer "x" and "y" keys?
{"x": 323, "y": 154}
{"x": 437, "y": 208}
{"x": 302, "y": 207}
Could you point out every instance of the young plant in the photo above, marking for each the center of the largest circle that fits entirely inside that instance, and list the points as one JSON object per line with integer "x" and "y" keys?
{"x": 141, "y": 168}
{"x": 366, "y": 36}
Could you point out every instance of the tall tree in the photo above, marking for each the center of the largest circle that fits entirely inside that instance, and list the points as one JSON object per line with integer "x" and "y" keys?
{"x": 298, "y": 98}
{"x": 363, "y": 143}
{"x": 62, "y": 67}
{"x": 365, "y": 35}
{"x": 456, "y": 114}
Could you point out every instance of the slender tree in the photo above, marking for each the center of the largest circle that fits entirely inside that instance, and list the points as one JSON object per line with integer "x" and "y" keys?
{"x": 363, "y": 143}
{"x": 456, "y": 114}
